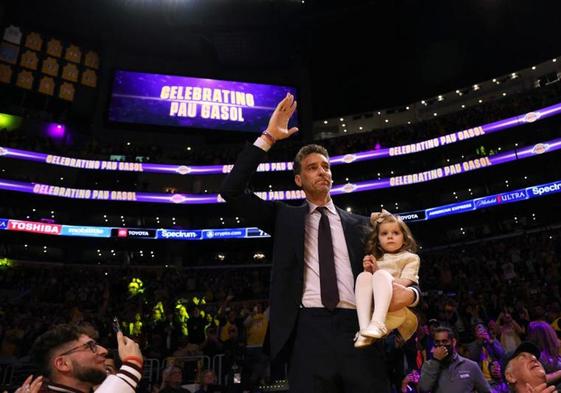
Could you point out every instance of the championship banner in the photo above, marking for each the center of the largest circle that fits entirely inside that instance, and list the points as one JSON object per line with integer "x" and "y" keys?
{"x": 181, "y": 101}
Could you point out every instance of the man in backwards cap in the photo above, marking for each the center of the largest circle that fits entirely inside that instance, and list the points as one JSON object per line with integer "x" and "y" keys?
{"x": 524, "y": 373}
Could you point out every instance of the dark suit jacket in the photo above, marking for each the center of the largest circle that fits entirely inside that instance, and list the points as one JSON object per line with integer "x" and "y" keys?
{"x": 285, "y": 224}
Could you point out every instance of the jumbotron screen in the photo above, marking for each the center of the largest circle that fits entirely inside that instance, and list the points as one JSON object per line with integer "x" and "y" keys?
{"x": 180, "y": 101}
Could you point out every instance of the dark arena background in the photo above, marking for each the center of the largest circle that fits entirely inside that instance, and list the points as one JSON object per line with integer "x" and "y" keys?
{"x": 119, "y": 119}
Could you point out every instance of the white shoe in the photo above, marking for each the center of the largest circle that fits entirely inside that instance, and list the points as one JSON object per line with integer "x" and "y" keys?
{"x": 375, "y": 330}
{"x": 362, "y": 341}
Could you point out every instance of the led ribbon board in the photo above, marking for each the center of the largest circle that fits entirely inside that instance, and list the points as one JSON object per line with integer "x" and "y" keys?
{"x": 179, "y": 101}
{"x": 136, "y": 233}
{"x": 428, "y": 144}
{"x": 519, "y": 195}
{"x": 252, "y": 232}
{"x": 402, "y": 180}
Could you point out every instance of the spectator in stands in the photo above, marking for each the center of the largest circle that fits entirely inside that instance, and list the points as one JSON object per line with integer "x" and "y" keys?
{"x": 544, "y": 337}
{"x": 234, "y": 349}
{"x": 155, "y": 347}
{"x": 256, "y": 361}
{"x": 484, "y": 350}
{"x": 172, "y": 378}
{"x": 12, "y": 339}
{"x": 494, "y": 330}
{"x": 524, "y": 373}
{"x": 498, "y": 384}
{"x": 447, "y": 371}
{"x": 425, "y": 340}
{"x": 186, "y": 348}
{"x": 521, "y": 315}
{"x": 212, "y": 345}
{"x": 225, "y": 328}
{"x": 510, "y": 332}
{"x": 72, "y": 361}
{"x": 196, "y": 326}
{"x": 450, "y": 317}
{"x": 208, "y": 383}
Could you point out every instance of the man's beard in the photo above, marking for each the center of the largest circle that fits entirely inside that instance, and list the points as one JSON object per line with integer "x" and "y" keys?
{"x": 88, "y": 374}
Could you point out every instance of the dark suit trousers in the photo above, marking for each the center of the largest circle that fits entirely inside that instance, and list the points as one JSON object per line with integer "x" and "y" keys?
{"x": 324, "y": 360}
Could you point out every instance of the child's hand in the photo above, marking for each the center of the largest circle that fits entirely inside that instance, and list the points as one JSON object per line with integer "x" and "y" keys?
{"x": 369, "y": 263}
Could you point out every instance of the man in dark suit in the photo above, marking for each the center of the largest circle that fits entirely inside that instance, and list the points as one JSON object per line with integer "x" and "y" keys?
{"x": 312, "y": 308}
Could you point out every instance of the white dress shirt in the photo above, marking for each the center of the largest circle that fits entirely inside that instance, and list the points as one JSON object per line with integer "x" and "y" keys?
{"x": 345, "y": 280}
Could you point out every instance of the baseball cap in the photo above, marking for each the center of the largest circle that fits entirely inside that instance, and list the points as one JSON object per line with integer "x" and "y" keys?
{"x": 525, "y": 347}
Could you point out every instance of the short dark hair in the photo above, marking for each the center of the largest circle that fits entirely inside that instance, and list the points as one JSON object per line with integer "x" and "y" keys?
{"x": 306, "y": 151}
{"x": 479, "y": 323}
{"x": 444, "y": 329}
{"x": 44, "y": 346}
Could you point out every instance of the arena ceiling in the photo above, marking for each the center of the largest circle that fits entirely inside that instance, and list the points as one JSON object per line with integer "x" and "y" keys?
{"x": 358, "y": 55}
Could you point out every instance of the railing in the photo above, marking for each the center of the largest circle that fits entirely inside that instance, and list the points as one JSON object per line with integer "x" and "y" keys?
{"x": 151, "y": 372}
{"x": 192, "y": 366}
{"x": 6, "y": 372}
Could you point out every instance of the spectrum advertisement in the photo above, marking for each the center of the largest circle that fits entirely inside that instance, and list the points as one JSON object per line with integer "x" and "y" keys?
{"x": 210, "y": 234}
{"x": 180, "y": 101}
{"x": 544, "y": 189}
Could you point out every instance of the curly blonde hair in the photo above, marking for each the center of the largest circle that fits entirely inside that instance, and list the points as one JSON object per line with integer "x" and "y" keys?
{"x": 373, "y": 244}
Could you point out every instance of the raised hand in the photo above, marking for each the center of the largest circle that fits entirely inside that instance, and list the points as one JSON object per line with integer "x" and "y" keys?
{"x": 278, "y": 123}
{"x": 129, "y": 350}
{"x": 439, "y": 353}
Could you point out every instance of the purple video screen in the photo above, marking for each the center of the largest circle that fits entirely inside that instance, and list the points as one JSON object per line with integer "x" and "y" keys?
{"x": 180, "y": 101}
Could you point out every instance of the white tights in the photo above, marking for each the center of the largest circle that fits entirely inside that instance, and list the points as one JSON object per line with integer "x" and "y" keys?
{"x": 373, "y": 291}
